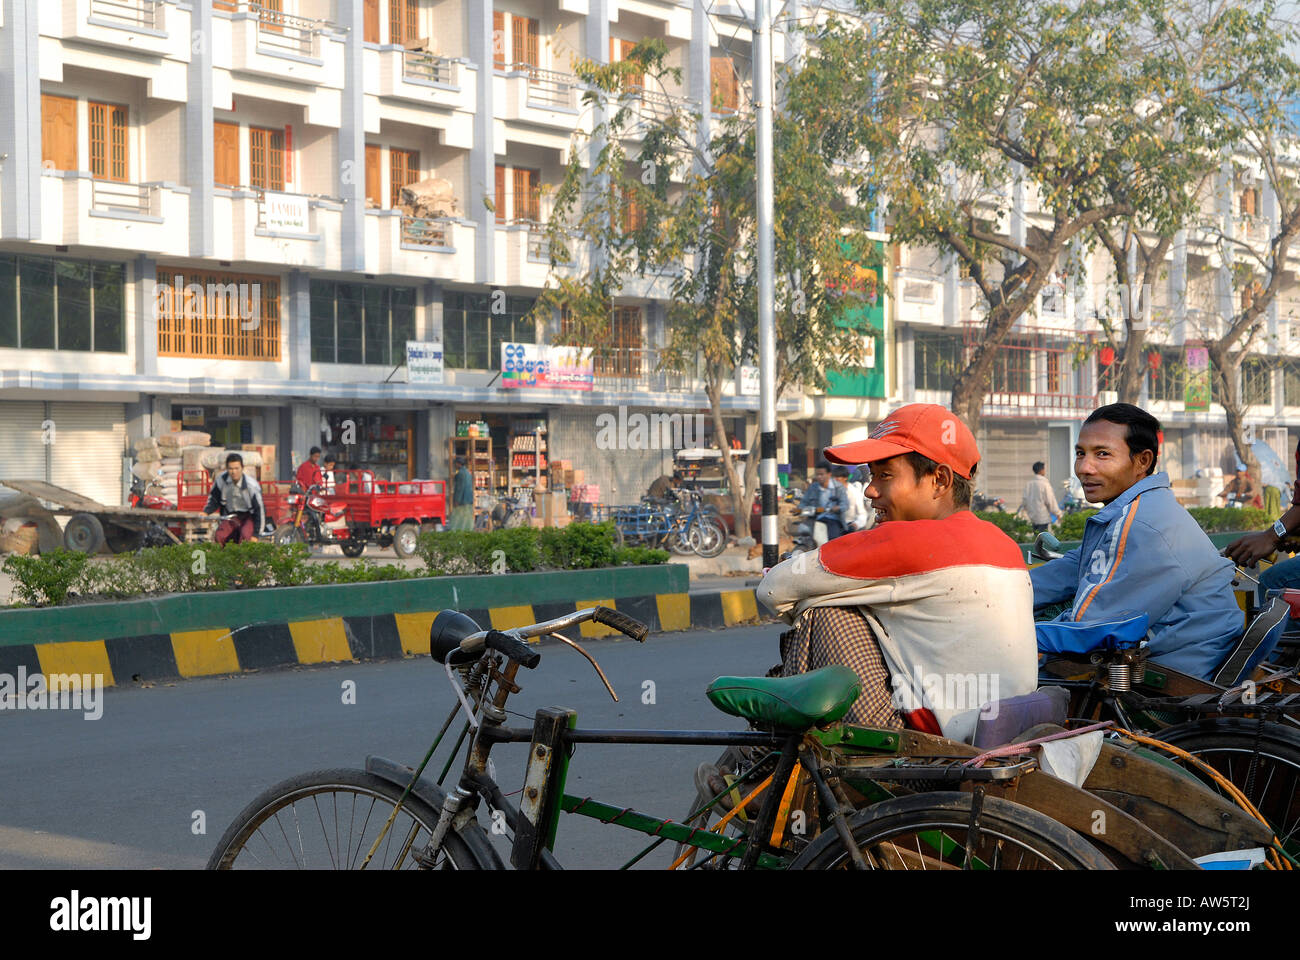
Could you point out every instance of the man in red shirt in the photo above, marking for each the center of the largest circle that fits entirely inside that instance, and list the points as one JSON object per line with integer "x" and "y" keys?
{"x": 309, "y": 474}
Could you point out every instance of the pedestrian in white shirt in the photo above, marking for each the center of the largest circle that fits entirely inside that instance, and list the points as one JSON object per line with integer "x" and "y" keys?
{"x": 855, "y": 514}
{"x": 1040, "y": 501}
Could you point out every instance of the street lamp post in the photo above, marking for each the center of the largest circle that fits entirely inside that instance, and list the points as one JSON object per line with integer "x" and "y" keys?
{"x": 763, "y": 96}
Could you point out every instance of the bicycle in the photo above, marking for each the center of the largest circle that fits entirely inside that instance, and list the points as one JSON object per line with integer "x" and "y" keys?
{"x": 426, "y": 828}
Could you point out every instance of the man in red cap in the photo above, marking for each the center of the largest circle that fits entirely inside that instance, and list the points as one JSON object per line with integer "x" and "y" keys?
{"x": 932, "y": 607}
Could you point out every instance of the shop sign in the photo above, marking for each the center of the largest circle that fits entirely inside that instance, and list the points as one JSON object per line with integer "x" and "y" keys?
{"x": 192, "y": 416}
{"x": 545, "y": 366}
{"x": 227, "y": 413}
{"x": 424, "y": 361}
{"x": 1196, "y": 394}
{"x": 285, "y": 212}
{"x": 749, "y": 383}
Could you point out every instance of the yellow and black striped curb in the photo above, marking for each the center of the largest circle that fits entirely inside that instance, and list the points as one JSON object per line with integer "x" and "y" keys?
{"x": 224, "y": 650}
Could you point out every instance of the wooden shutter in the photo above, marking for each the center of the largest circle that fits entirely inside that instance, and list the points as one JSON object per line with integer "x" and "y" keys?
{"x": 225, "y": 148}
{"x": 373, "y": 174}
{"x": 371, "y": 34}
{"x": 501, "y": 194}
{"x": 524, "y": 40}
{"x": 403, "y": 168}
{"x": 726, "y": 89}
{"x": 1248, "y": 203}
{"x": 498, "y": 39}
{"x": 401, "y": 21}
{"x": 272, "y": 15}
{"x": 521, "y": 194}
{"x": 266, "y": 158}
{"x": 58, "y": 132}
{"x": 618, "y": 51}
{"x": 108, "y": 153}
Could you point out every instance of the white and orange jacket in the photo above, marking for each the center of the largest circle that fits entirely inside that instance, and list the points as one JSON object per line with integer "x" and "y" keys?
{"x": 949, "y": 601}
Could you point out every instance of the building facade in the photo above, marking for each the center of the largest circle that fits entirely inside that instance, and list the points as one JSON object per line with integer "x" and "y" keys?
{"x": 202, "y": 220}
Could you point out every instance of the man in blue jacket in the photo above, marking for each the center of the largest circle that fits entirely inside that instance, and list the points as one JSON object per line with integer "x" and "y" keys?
{"x": 1142, "y": 551}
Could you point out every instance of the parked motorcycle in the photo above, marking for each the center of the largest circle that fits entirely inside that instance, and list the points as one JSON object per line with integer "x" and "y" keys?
{"x": 307, "y": 522}
{"x": 996, "y": 504}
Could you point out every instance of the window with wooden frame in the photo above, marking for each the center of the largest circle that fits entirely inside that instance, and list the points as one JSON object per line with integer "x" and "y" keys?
{"x": 216, "y": 324}
{"x": 618, "y": 51}
{"x": 630, "y": 212}
{"x": 374, "y": 173}
{"x": 403, "y": 169}
{"x": 271, "y": 14}
{"x": 58, "y": 132}
{"x": 1249, "y": 293}
{"x": 108, "y": 153}
{"x": 498, "y": 40}
{"x": 618, "y": 352}
{"x": 266, "y": 158}
{"x": 725, "y": 85}
{"x": 500, "y": 197}
{"x": 523, "y": 36}
{"x": 403, "y": 21}
{"x": 527, "y": 200}
{"x": 370, "y": 28}
{"x": 225, "y": 150}
{"x": 1249, "y": 203}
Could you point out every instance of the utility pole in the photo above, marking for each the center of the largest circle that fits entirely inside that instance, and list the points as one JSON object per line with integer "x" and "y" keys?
{"x": 763, "y": 97}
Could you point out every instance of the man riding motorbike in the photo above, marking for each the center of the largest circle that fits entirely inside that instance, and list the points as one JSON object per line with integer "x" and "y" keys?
{"x": 1142, "y": 552}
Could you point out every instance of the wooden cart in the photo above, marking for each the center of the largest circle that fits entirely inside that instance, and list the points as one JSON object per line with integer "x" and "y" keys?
{"x": 92, "y": 524}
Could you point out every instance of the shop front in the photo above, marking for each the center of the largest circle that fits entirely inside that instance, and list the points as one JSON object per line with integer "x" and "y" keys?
{"x": 234, "y": 426}
{"x": 505, "y": 450}
{"x": 75, "y": 445}
{"x": 381, "y": 442}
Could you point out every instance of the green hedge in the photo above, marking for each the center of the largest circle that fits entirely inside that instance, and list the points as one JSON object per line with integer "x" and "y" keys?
{"x": 579, "y": 546}
{"x": 1021, "y": 531}
{"x": 1210, "y": 519}
{"x": 60, "y": 576}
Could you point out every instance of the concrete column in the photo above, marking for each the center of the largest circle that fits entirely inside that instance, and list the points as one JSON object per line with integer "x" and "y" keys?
{"x": 905, "y": 337}
{"x": 300, "y": 434}
{"x": 146, "y": 317}
{"x": 20, "y": 122}
{"x": 1178, "y": 287}
{"x": 299, "y": 323}
{"x": 698, "y": 68}
{"x": 482, "y": 155}
{"x": 199, "y": 160}
{"x": 352, "y": 137}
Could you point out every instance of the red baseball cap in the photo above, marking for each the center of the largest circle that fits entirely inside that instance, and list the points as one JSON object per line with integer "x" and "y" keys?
{"x": 925, "y": 428}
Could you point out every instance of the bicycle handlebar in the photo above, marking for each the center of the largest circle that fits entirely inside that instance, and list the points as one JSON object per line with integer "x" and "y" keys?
{"x": 475, "y": 642}
{"x": 514, "y": 648}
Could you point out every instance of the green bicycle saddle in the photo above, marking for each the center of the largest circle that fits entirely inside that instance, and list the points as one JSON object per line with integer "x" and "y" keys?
{"x": 799, "y": 702}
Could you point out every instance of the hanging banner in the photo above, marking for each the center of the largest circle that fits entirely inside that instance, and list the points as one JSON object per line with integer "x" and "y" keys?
{"x": 1196, "y": 394}
{"x": 424, "y": 361}
{"x": 532, "y": 365}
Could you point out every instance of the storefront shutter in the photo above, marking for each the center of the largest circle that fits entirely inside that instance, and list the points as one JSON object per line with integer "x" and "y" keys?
{"x": 87, "y": 453}
{"x": 22, "y": 450}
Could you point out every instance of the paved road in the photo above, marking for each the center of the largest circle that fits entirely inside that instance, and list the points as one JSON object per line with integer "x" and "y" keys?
{"x": 122, "y": 791}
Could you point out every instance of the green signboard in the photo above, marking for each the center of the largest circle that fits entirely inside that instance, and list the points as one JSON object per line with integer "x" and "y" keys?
{"x": 867, "y": 314}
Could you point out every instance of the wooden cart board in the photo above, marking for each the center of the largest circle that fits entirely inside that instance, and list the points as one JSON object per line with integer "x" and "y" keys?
{"x": 68, "y": 502}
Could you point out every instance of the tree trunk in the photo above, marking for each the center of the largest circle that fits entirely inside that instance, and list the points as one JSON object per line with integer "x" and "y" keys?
{"x": 713, "y": 390}
{"x": 1226, "y": 369}
{"x": 1129, "y": 387}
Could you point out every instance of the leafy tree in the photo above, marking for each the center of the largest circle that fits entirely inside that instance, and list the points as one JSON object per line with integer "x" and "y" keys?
{"x": 670, "y": 197}
{"x": 1090, "y": 107}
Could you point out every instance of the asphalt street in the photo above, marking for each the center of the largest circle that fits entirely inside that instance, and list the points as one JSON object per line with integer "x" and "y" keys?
{"x": 130, "y": 790}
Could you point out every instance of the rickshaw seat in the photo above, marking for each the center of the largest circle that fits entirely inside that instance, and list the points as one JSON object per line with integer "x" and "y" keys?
{"x": 1080, "y": 637}
{"x": 796, "y": 703}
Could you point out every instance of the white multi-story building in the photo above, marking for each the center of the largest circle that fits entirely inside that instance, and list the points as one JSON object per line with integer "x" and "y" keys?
{"x": 259, "y": 151}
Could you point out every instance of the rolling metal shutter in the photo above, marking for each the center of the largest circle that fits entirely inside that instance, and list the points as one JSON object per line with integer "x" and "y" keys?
{"x": 1007, "y": 451}
{"x": 22, "y": 454}
{"x": 87, "y": 453}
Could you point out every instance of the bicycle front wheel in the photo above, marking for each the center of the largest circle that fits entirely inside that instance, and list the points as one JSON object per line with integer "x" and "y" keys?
{"x": 930, "y": 831}
{"x": 330, "y": 820}
{"x": 708, "y": 538}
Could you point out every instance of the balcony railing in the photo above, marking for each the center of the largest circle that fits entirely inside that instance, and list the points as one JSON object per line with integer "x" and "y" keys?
{"x": 140, "y": 14}
{"x": 110, "y": 196}
{"x": 422, "y": 65}
{"x": 635, "y": 368}
{"x": 549, "y": 88}
{"x": 279, "y": 32}
{"x": 425, "y": 232}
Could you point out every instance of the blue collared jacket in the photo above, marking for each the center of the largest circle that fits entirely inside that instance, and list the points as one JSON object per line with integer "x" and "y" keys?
{"x": 1144, "y": 552}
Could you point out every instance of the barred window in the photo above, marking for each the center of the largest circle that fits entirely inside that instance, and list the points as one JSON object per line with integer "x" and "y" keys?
{"x": 937, "y": 358}
{"x": 220, "y": 316}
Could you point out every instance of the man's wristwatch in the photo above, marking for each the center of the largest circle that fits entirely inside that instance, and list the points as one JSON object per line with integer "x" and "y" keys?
{"x": 1280, "y": 529}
